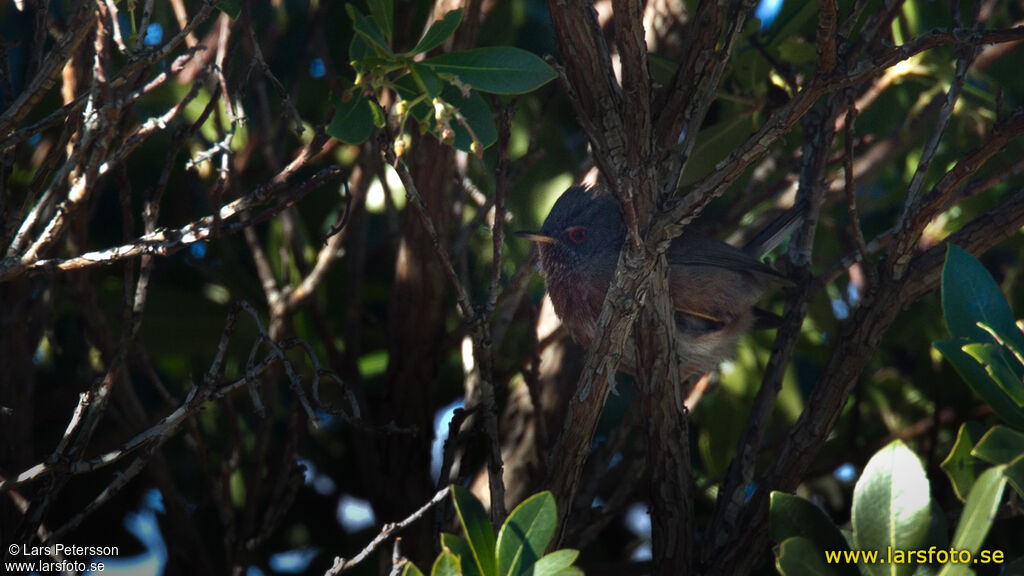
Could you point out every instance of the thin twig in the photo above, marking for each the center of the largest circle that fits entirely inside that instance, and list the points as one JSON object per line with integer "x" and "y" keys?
{"x": 341, "y": 564}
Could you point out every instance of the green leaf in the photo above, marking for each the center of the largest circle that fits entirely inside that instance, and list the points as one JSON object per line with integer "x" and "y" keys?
{"x": 498, "y": 69}
{"x": 974, "y": 374}
{"x": 1014, "y": 353}
{"x": 353, "y": 120}
{"x": 891, "y": 506}
{"x": 978, "y": 514}
{"x": 526, "y": 533}
{"x": 411, "y": 570}
{"x": 426, "y": 80}
{"x": 367, "y": 29}
{"x": 960, "y": 465}
{"x": 233, "y": 8}
{"x": 956, "y": 570}
{"x": 993, "y": 358}
{"x": 791, "y": 516}
{"x": 446, "y": 565}
{"x": 555, "y": 564}
{"x": 383, "y": 13}
{"x": 1015, "y": 475}
{"x": 359, "y": 52}
{"x": 970, "y": 296}
{"x": 800, "y": 557}
{"x": 438, "y": 32}
{"x": 1000, "y": 445}
{"x": 478, "y": 530}
{"x": 460, "y": 547}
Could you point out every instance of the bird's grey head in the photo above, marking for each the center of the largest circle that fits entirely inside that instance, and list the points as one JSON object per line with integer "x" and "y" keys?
{"x": 587, "y": 230}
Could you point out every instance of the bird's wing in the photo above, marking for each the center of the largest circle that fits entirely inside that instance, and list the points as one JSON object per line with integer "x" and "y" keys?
{"x": 697, "y": 250}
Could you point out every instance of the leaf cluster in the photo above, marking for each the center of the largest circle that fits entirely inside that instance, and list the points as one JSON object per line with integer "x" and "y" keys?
{"x": 518, "y": 549}
{"x": 442, "y": 94}
{"x": 893, "y": 509}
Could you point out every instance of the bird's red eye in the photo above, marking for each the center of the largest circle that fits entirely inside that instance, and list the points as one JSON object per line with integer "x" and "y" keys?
{"x": 577, "y": 234}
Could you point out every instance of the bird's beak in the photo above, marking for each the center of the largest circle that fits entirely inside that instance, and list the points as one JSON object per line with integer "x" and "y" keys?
{"x": 536, "y": 236}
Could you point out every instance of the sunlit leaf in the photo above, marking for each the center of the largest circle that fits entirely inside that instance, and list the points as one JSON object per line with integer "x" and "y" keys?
{"x": 800, "y": 557}
{"x": 477, "y": 526}
{"x": 979, "y": 380}
{"x": 960, "y": 465}
{"x": 979, "y": 513}
{"x": 526, "y": 533}
{"x": 558, "y": 563}
{"x": 1000, "y": 445}
{"x": 891, "y": 505}
{"x": 791, "y": 516}
{"x": 970, "y": 296}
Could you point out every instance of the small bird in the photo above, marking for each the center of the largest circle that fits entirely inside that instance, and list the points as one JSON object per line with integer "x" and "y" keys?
{"x": 713, "y": 285}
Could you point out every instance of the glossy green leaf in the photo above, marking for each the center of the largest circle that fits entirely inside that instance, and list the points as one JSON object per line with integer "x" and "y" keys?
{"x": 979, "y": 512}
{"x": 367, "y": 29}
{"x": 460, "y": 547}
{"x": 960, "y": 465}
{"x": 526, "y": 533}
{"x": 411, "y": 570}
{"x": 994, "y": 358}
{"x": 1015, "y": 475}
{"x": 791, "y": 516}
{"x": 497, "y": 69}
{"x": 1011, "y": 346}
{"x": 478, "y": 530}
{"x": 969, "y": 296}
{"x": 438, "y": 32}
{"x": 891, "y": 505}
{"x": 1000, "y": 445}
{"x": 974, "y": 374}
{"x": 233, "y": 8}
{"x": 353, "y": 119}
{"x": 557, "y": 563}
{"x": 383, "y": 13}
{"x": 446, "y": 565}
{"x": 800, "y": 557}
